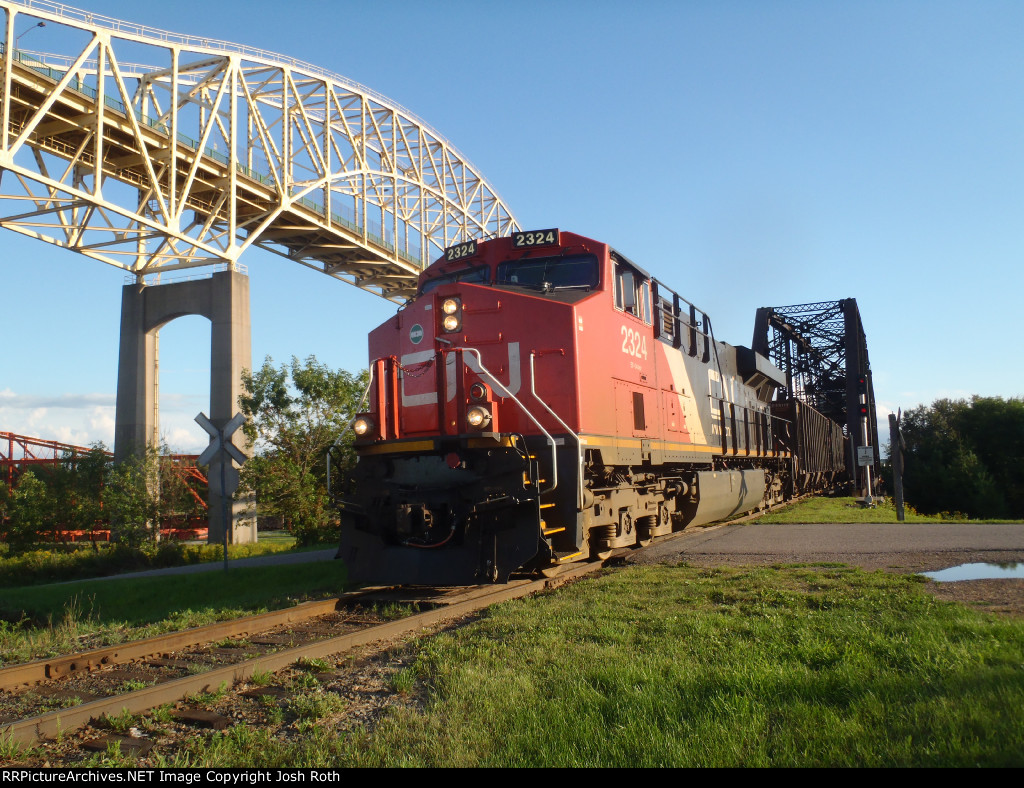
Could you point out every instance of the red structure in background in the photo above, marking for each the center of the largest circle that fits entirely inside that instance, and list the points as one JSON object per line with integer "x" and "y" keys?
{"x": 21, "y": 452}
{"x": 18, "y": 451}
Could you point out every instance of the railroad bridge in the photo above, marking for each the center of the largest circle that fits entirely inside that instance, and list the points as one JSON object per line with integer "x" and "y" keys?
{"x": 162, "y": 153}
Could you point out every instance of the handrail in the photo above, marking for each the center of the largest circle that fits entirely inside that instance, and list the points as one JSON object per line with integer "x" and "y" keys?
{"x": 579, "y": 443}
{"x": 498, "y": 384}
{"x": 336, "y": 219}
{"x": 195, "y": 42}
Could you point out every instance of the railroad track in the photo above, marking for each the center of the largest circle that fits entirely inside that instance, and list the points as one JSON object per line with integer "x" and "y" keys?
{"x": 177, "y": 665}
{"x": 97, "y": 687}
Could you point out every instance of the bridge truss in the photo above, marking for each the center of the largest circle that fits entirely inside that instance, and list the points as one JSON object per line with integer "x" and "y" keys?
{"x": 823, "y": 351}
{"x": 156, "y": 152}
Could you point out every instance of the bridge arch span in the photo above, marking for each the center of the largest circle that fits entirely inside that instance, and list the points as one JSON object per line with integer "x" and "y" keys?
{"x": 208, "y": 148}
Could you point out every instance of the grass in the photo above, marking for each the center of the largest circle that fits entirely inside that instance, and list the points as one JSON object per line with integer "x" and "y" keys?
{"x": 847, "y": 510}
{"x": 46, "y": 620}
{"x": 61, "y": 563}
{"x": 680, "y": 667}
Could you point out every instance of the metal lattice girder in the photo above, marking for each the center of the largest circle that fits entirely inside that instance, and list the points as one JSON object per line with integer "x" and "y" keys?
{"x": 211, "y": 148}
{"x": 822, "y": 349}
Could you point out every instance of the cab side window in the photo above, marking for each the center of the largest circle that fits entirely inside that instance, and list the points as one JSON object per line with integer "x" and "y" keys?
{"x": 632, "y": 292}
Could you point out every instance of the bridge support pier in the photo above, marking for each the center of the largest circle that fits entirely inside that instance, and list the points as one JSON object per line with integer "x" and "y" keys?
{"x": 224, "y": 301}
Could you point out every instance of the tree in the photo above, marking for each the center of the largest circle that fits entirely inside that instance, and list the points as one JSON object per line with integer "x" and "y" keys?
{"x": 30, "y": 512}
{"x": 295, "y": 412}
{"x": 77, "y": 486}
{"x": 131, "y": 502}
{"x": 966, "y": 457}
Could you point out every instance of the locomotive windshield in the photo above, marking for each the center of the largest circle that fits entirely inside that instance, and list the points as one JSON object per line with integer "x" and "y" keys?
{"x": 479, "y": 276}
{"x": 548, "y": 274}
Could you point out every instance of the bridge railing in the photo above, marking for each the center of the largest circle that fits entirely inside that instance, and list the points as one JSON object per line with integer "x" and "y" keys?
{"x": 377, "y": 238}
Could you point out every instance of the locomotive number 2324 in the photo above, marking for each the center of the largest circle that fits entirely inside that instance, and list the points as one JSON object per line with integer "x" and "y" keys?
{"x": 634, "y": 343}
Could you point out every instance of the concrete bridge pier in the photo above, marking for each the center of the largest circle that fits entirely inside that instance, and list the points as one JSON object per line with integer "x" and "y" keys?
{"x": 224, "y": 300}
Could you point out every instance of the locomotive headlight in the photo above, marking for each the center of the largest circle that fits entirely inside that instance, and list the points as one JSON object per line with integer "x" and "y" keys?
{"x": 450, "y": 323}
{"x": 478, "y": 417}
{"x": 478, "y": 391}
{"x": 362, "y": 425}
{"x": 450, "y": 306}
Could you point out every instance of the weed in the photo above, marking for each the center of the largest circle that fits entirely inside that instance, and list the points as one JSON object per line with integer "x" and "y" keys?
{"x": 133, "y": 685}
{"x": 305, "y": 681}
{"x": 314, "y": 665}
{"x": 9, "y": 748}
{"x": 232, "y": 643}
{"x": 206, "y": 698}
{"x": 393, "y": 611}
{"x": 162, "y": 714}
{"x": 261, "y": 678}
{"x": 120, "y": 722}
{"x": 403, "y": 681}
{"x": 315, "y": 705}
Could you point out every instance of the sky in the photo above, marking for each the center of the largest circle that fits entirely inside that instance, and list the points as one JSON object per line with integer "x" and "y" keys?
{"x": 746, "y": 153}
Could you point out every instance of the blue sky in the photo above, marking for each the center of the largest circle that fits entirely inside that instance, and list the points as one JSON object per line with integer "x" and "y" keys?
{"x": 745, "y": 153}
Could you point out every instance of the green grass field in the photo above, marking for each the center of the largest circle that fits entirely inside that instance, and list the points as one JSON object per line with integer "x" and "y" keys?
{"x": 38, "y": 621}
{"x": 677, "y": 666}
{"x": 822, "y": 665}
{"x": 846, "y": 510}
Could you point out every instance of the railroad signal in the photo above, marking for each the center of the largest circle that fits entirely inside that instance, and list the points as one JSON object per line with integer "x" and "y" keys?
{"x": 862, "y": 384}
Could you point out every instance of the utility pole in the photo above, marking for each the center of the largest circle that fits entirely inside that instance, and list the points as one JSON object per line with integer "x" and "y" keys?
{"x": 896, "y": 455}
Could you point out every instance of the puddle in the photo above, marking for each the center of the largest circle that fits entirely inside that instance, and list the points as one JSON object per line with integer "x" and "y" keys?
{"x": 977, "y": 572}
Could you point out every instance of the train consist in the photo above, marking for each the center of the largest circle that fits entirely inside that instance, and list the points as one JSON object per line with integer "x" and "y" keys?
{"x": 543, "y": 400}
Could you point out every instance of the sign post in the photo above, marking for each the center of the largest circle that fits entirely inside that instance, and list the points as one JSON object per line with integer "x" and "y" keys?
{"x": 220, "y": 442}
{"x": 896, "y": 453}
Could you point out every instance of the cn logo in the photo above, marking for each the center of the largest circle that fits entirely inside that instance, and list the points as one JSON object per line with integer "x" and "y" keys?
{"x": 515, "y": 375}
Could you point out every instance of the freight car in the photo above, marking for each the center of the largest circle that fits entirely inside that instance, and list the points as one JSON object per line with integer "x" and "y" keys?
{"x": 543, "y": 400}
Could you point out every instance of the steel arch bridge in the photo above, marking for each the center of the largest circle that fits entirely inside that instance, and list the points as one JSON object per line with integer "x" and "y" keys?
{"x": 156, "y": 152}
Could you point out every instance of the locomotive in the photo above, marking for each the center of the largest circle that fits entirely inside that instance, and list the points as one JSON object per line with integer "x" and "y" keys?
{"x": 544, "y": 400}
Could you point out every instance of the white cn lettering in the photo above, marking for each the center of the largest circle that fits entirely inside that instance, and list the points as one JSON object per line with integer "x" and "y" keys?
{"x": 430, "y": 397}
{"x": 515, "y": 373}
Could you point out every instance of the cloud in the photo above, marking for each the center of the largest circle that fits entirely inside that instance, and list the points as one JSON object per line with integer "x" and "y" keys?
{"x": 9, "y": 399}
{"x": 82, "y": 419}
